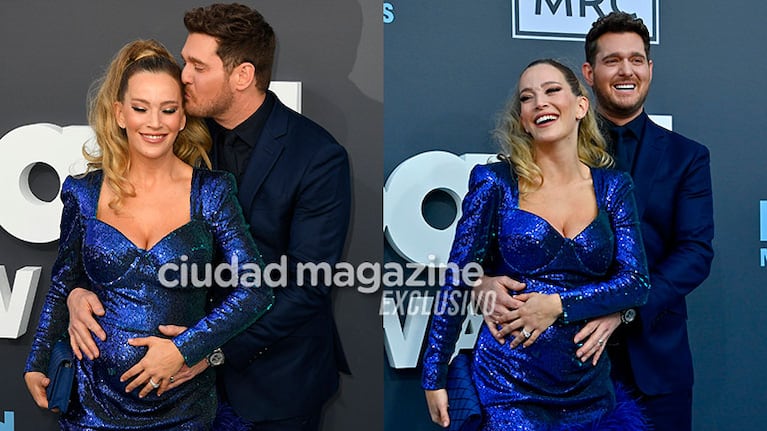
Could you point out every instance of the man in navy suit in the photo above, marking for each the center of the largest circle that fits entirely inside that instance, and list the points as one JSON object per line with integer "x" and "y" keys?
{"x": 294, "y": 189}
{"x": 649, "y": 350}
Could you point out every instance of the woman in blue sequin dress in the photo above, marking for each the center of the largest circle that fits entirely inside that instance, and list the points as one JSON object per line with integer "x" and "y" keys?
{"x": 141, "y": 217}
{"x": 551, "y": 216}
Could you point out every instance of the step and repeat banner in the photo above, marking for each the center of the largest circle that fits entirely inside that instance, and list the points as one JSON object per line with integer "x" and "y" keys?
{"x": 329, "y": 64}
{"x": 449, "y": 68}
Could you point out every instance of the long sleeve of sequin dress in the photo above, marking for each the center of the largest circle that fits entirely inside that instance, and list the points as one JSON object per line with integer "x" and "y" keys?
{"x": 144, "y": 288}
{"x": 598, "y": 271}
{"x": 67, "y": 273}
{"x": 250, "y": 297}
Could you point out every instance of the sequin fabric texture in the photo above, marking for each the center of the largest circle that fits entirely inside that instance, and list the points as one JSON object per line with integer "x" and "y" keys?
{"x": 126, "y": 279}
{"x": 599, "y": 271}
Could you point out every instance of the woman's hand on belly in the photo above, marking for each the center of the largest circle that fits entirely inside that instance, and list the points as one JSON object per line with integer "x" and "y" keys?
{"x": 594, "y": 336}
{"x": 495, "y": 301}
{"x": 161, "y": 361}
{"x": 528, "y": 322}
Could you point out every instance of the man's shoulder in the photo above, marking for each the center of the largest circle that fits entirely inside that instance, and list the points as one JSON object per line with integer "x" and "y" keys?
{"x": 297, "y": 129}
{"x": 676, "y": 139}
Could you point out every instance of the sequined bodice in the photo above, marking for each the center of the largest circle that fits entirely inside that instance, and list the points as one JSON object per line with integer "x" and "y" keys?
{"x": 125, "y": 278}
{"x": 532, "y": 250}
{"x": 109, "y": 258}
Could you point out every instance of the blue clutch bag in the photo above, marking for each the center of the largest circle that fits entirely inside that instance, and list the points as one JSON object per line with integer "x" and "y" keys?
{"x": 61, "y": 371}
{"x": 464, "y": 408}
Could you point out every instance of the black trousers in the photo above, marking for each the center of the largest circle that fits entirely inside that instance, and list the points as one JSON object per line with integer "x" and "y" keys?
{"x": 228, "y": 420}
{"x": 665, "y": 412}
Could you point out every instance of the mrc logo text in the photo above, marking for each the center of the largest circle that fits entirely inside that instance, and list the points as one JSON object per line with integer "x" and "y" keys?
{"x": 571, "y": 19}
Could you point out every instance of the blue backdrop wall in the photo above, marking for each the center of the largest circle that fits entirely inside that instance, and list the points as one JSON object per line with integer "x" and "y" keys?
{"x": 449, "y": 67}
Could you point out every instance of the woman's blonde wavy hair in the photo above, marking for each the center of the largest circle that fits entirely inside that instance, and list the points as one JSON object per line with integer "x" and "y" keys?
{"x": 111, "y": 152}
{"x": 517, "y": 145}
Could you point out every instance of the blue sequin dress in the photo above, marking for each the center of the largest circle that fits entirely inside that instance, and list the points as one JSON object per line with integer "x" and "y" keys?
{"x": 126, "y": 279}
{"x": 599, "y": 271}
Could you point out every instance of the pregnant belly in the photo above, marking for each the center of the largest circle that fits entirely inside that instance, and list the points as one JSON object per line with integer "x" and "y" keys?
{"x": 116, "y": 356}
{"x": 549, "y": 367}
{"x": 104, "y": 396}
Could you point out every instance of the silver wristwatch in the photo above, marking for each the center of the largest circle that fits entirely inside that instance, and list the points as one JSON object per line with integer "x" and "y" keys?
{"x": 216, "y": 358}
{"x": 628, "y": 316}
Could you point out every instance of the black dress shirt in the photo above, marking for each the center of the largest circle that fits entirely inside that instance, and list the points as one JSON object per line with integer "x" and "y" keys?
{"x": 625, "y": 141}
{"x": 232, "y": 148}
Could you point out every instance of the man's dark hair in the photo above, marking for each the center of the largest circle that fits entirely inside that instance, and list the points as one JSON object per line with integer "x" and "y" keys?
{"x": 615, "y": 22}
{"x": 242, "y": 34}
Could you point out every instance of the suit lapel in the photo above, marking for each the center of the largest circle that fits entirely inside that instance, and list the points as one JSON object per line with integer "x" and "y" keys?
{"x": 653, "y": 146}
{"x": 265, "y": 155}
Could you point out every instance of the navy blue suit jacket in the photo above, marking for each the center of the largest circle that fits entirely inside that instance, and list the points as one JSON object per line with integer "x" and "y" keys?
{"x": 672, "y": 181}
{"x": 296, "y": 195}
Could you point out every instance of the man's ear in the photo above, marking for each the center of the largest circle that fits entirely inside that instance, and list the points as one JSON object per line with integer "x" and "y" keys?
{"x": 588, "y": 73}
{"x": 244, "y": 76}
{"x": 649, "y": 63}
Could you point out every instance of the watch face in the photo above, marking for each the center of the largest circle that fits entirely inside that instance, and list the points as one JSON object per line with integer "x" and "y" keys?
{"x": 216, "y": 358}
{"x": 629, "y": 315}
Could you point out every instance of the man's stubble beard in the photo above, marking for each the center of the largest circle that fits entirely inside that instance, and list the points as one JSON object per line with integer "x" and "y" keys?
{"x": 215, "y": 107}
{"x": 605, "y": 105}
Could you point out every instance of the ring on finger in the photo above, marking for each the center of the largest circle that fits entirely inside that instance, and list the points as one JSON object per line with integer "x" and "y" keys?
{"x": 600, "y": 341}
{"x": 172, "y": 379}
{"x": 154, "y": 385}
{"x": 526, "y": 333}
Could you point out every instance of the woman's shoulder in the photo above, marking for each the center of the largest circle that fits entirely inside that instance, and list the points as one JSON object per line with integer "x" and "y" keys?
{"x": 610, "y": 182}
{"x": 84, "y": 179}
{"x": 611, "y": 176}
{"x": 81, "y": 184}
{"x": 211, "y": 189}
{"x": 494, "y": 171}
{"x": 210, "y": 179}
{"x": 82, "y": 190}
